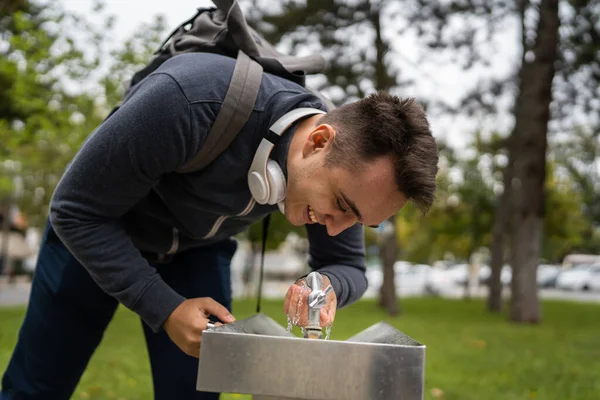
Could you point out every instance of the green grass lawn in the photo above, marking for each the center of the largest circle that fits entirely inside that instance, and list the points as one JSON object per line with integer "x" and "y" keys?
{"x": 470, "y": 354}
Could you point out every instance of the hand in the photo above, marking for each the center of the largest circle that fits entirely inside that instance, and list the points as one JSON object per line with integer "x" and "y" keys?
{"x": 185, "y": 325}
{"x": 300, "y": 316}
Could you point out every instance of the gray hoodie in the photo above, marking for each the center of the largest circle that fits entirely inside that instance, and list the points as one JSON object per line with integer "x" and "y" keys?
{"x": 120, "y": 203}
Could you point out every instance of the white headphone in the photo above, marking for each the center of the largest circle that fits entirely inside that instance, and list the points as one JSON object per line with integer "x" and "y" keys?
{"x": 265, "y": 177}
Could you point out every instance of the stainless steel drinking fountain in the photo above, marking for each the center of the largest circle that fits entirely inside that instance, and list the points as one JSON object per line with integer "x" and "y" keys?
{"x": 258, "y": 356}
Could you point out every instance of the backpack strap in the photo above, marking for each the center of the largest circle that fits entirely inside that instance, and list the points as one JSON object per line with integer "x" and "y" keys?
{"x": 233, "y": 115}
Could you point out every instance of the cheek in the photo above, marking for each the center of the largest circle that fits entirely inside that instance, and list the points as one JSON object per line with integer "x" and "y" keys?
{"x": 300, "y": 187}
{"x": 308, "y": 186}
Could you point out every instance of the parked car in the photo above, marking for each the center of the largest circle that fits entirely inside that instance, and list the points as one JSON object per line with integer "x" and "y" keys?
{"x": 374, "y": 276}
{"x": 486, "y": 272}
{"x": 438, "y": 281}
{"x": 580, "y": 277}
{"x": 594, "y": 282}
{"x": 572, "y": 260}
{"x": 457, "y": 273}
{"x": 412, "y": 279}
{"x": 547, "y": 275}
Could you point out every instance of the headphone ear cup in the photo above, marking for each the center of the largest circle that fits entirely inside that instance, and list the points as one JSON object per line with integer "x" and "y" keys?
{"x": 277, "y": 185}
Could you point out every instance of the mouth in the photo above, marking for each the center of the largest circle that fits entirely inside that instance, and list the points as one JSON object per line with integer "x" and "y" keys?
{"x": 311, "y": 217}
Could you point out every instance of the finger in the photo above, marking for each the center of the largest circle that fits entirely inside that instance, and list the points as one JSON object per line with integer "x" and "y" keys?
{"x": 193, "y": 350}
{"x": 192, "y": 344}
{"x": 216, "y": 309}
{"x": 293, "y": 311}
{"x": 327, "y": 317}
{"x": 288, "y": 297}
{"x": 291, "y": 303}
{"x": 324, "y": 316}
{"x": 302, "y": 299}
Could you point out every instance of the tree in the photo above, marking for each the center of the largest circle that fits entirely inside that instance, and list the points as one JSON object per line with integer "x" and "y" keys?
{"x": 41, "y": 60}
{"x": 565, "y": 223}
{"x": 572, "y": 59}
{"x": 529, "y": 149}
{"x": 355, "y": 69}
{"x": 460, "y": 219}
{"x": 55, "y": 95}
{"x": 125, "y": 60}
{"x": 578, "y": 156}
{"x": 467, "y": 32}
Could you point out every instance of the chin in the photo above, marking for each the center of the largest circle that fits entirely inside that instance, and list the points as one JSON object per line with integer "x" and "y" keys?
{"x": 295, "y": 221}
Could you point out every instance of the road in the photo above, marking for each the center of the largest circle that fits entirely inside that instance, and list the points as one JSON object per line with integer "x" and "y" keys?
{"x": 14, "y": 294}
{"x": 457, "y": 292}
{"x": 18, "y": 293}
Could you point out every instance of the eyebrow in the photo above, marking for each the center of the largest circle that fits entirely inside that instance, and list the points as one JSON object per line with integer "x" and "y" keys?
{"x": 355, "y": 209}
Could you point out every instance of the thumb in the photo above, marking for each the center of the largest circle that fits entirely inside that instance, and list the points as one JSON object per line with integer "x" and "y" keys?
{"x": 325, "y": 317}
{"x": 216, "y": 309}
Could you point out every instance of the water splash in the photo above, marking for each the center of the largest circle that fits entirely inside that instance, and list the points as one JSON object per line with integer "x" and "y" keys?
{"x": 295, "y": 319}
{"x": 299, "y": 305}
{"x": 327, "y": 332}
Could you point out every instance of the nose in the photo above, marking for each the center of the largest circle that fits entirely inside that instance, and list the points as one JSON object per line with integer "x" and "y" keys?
{"x": 336, "y": 224}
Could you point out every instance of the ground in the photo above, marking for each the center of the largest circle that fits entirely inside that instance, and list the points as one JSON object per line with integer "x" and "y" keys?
{"x": 470, "y": 354}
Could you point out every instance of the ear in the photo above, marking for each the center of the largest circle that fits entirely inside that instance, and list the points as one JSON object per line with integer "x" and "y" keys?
{"x": 320, "y": 139}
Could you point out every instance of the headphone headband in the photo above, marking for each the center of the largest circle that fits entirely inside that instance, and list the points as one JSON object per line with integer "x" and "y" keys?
{"x": 259, "y": 184}
{"x": 283, "y": 123}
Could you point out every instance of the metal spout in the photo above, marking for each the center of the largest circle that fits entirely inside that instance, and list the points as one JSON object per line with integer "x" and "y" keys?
{"x": 317, "y": 299}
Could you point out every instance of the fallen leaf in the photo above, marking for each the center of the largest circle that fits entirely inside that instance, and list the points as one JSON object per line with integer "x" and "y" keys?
{"x": 437, "y": 393}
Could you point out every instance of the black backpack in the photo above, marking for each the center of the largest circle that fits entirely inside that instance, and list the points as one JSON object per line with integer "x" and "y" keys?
{"x": 224, "y": 30}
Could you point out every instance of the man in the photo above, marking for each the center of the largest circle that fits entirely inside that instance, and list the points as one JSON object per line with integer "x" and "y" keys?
{"x": 126, "y": 228}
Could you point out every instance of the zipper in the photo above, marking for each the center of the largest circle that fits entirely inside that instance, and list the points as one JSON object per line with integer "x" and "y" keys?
{"x": 174, "y": 246}
{"x": 175, "y": 243}
{"x": 222, "y": 218}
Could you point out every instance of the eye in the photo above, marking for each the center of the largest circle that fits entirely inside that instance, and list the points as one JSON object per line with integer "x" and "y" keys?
{"x": 341, "y": 206}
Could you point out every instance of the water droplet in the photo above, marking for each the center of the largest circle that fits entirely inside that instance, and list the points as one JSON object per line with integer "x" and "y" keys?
{"x": 289, "y": 327}
{"x": 327, "y": 332}
{"x": 299, "y": 305}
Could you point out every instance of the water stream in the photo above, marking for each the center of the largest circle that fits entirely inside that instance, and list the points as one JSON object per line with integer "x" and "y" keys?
{"x": 295, "y": 321}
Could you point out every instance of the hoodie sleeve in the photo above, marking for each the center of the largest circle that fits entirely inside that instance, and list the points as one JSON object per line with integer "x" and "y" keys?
{"x": 119, "y": 163}
{"x": 341, "y": 258}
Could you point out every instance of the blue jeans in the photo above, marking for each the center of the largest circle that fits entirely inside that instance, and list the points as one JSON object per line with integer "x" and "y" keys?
{"x": 68, "y": 314}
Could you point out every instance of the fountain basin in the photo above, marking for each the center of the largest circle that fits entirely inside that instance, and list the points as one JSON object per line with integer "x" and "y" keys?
{"x": 257, "y": 356}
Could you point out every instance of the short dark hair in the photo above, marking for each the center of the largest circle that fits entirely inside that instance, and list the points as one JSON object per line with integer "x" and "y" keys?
{"x": 385, "y": 125}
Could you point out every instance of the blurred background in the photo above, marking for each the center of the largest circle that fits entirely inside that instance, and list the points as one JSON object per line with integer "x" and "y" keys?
{"x": 501, "y": 279}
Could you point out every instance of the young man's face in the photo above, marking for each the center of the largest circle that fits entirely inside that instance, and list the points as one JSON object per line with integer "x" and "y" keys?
{"x": 335, "y": 196}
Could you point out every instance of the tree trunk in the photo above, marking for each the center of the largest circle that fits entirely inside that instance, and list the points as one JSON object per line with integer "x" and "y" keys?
{"x": 531, "y": 128}
{"x": 387, "y": 295}
{"x": 502, "y": 228}
{"x": 5, "y": 231}
{"x": 525, "y": 305}
{"x": 389, "y": 248}
{"x": 499, "y": 235}
{"x": 472, "y": 281}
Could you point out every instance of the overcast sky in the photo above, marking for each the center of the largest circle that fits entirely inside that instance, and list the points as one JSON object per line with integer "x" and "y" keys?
{"x": 433, "y": 81}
